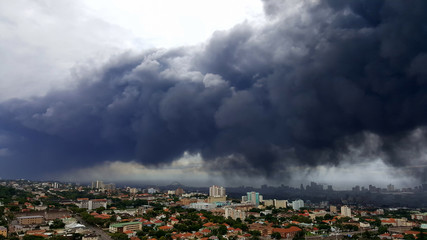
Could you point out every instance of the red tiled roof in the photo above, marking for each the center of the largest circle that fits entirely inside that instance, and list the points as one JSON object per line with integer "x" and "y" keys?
{"x": 287, "y": 230}
{"x": 165, "y": 228}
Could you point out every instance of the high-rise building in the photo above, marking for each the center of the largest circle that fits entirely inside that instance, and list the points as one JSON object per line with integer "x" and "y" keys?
{"x": 280, "y": 203}
{"x": 333, "y": 209}
{"x": 297, "y": 204}
{"x": 345, "y": 211}
{"x": 217, "y": 191}
{"x": 97, "y": 184}
{"x": 234, "y": 213}
{"x": 254, "y": 198}
{"x": 390, "y": 188}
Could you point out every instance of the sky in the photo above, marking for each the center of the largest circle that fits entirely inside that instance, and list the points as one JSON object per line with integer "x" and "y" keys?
{"x": 243, "y": 92}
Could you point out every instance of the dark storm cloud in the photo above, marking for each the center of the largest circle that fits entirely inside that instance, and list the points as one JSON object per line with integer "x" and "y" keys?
{"x": 307, "y": 88}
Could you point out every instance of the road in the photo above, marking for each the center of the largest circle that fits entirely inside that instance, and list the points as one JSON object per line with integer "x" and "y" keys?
{"x": 102, "y": 235}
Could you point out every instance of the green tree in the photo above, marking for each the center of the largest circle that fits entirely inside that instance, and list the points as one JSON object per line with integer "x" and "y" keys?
{"x": 409, "y": 237}
{"x": 222, "y": 230}
{"x": 299, "y": 235}
{"x": 57, "y": 223}
{"x": 276, "y": 235}
{"x": 31, "y": 237}
{"x": 382, "y": 229}
{"x": 119, "y": 236}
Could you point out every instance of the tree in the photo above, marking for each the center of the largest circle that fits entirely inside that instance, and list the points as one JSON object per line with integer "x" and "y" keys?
{"x": 119, "y": 236}
{"x": 299, "y": 235}
{"x": 31, "y": 237}
{"x": 382, "y": 229}
{"x": 100, "y": 209}
{"x": 222, "y": 230}
{"x": 276, "y": 235}
{"x": 255, "y": 233}
{"x": 57, "y": 223}
{"x": 409, "y": 237}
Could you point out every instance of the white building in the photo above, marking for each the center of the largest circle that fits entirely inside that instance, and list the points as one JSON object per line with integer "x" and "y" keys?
{"x": 297, "y": 204}
{"x": 202, "y": 206}
{"x": 216, "y": 191}
{"x": 345, "y": 211}
{"x": 91, "y": 204}
{"x": 152, "y": 190}
{"x": 234, "y": 213}
{"x": 98, "y": 184}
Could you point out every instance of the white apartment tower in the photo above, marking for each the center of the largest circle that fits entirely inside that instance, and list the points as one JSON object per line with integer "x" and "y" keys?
{"x": 345, "y": 211}
{"x": 216, "y": 191}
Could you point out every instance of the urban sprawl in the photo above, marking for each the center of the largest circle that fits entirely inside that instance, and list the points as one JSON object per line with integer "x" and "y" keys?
{"x": 54, "y": 210}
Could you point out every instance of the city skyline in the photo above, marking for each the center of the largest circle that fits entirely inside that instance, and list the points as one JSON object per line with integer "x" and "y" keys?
{"x": 244, "y": 93}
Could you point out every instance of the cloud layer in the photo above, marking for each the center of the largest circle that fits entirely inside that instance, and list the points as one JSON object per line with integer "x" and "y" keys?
{"x": 321, "y": 83}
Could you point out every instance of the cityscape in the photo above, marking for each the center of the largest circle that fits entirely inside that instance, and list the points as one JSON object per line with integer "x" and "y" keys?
{"x": 213, "y": 119}
{"x": 57, "y": 210}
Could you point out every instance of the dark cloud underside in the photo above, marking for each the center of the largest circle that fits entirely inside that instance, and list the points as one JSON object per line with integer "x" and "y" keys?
{"x": 305, "y": 89}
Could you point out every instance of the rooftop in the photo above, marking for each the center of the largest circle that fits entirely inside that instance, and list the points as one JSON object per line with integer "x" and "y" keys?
{"x": 124, "y": 224}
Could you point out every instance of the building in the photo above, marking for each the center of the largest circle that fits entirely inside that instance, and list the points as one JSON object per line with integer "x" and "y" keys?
{"x": 254, "y": 197}
{"x": 297, "y": 204}
{"x": 216, "y": 191}
{"x": 345, "y": 211}
{"x": 97, "y": 203}
{"x": 90, "y": 237}
{"x": 179, "y": 191}
{"x": 152, "y": 191}
{"x": 110, "y": 187}
{"x": 212, "y": 199}
{"x": 31, "y": 220}
{"x": 91, "y": 204}
{"x": 268, "y": 202}
{"x": 202, "y": 206}
{"x": 98, "y": 184}
{"x": 333, "y": 209}
{"x": 126, "y": 226}
{"x": 133, "y": 191}
{"x": 83, "y": 202}
{"x": 234, "y": 213}
{"x": 287, "y": 232}
{"x": 280, "y": 203}
{"x": 3, "y": 231}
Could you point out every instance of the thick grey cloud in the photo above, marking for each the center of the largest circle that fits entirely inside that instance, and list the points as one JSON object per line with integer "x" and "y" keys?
{"x": 310, "y": 87}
